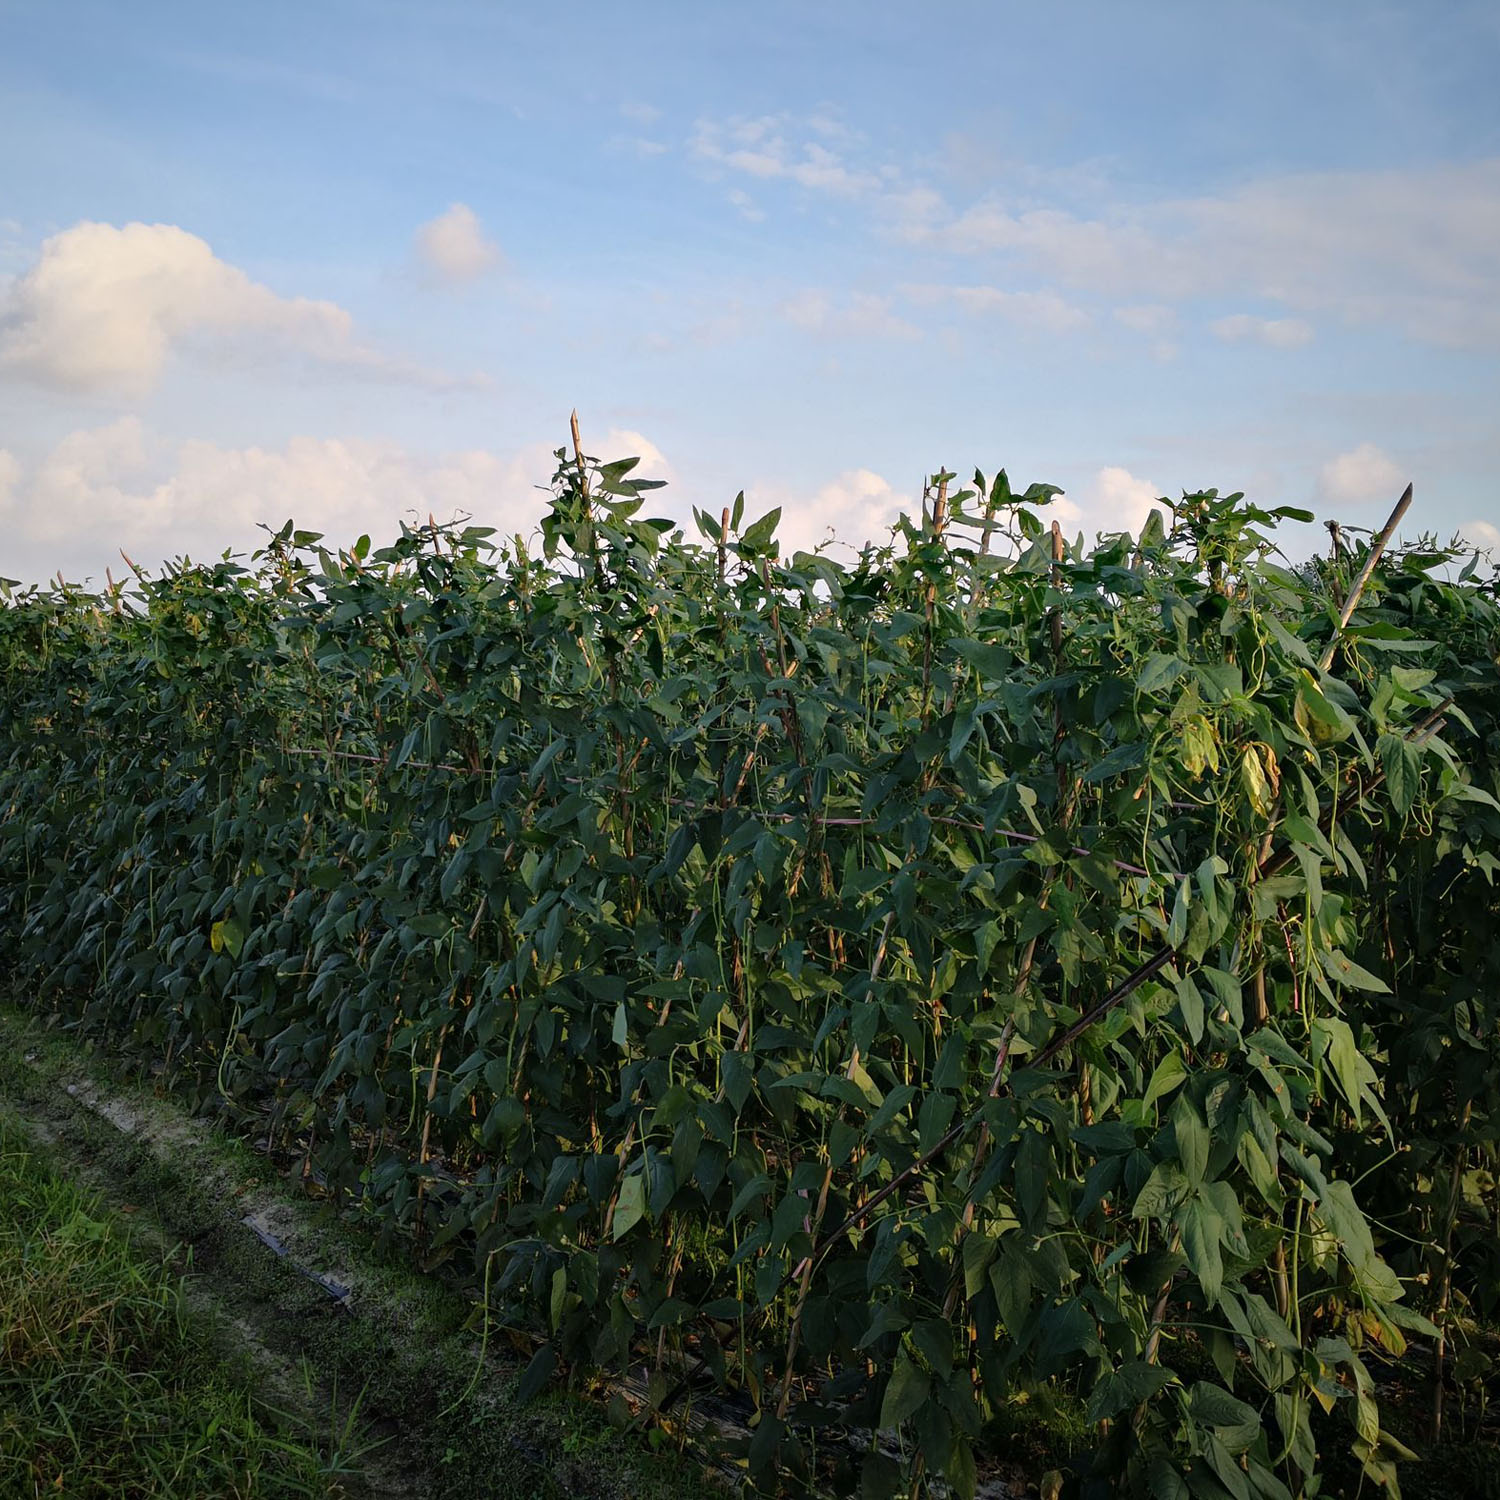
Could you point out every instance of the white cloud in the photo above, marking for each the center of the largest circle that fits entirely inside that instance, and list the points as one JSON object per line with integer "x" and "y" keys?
{"x": 1364, "y": 473}
{"x": 1153, "y": 318}
{"x": 103, "y": 307}
{"x": 640, "y": 112}
{"x": 1118, "y": 501}
{"x": 746, "y": 205}
{"x": 625, "y": 442}
{"x": 121, "y": 486}
{"x": 759, "y": 147}
{"x": 855, "y": 507}
{"x": 862, "y": 315}
{"x": 1114, "y": 500}
{"x": 454, "y": 246}
{"x": 1483, "y": 535}
{"x": 1274, "y": 333}
{"x": 1410, "y": 248}
{"x": 10, "y": 475}
{"x": 1043, "y": 310}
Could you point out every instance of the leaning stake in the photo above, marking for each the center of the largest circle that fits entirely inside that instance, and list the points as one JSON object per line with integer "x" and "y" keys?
{"x": 1376, "y": 548}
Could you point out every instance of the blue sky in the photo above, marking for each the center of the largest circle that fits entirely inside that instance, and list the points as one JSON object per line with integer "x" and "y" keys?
{"x": 342, "y": 261}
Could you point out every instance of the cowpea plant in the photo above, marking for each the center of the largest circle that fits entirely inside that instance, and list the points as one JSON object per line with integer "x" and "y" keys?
{"x": 880, "y": 988}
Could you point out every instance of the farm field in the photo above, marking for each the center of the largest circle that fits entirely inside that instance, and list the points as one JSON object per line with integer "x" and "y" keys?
{"x": 876, "y": 999}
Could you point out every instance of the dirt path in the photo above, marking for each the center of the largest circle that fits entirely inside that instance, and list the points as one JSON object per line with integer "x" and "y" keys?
{"x": 380, "y": 1362}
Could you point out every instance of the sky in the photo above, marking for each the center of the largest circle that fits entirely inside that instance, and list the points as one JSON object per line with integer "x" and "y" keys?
{"x": 355, "y": 261}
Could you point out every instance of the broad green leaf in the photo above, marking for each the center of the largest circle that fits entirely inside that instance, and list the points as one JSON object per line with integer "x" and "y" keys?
{"x": 905, "y": 1392}
{"x": 227, "y": 936}
{"x": 1202, "y": 1231}
{"x": 630, "y": 1207}
{"x": 1168, "y": 1074}
{"x": 1402, "y": 763}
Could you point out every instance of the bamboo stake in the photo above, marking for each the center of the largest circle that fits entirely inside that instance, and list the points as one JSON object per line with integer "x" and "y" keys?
{"x": 1377, "y": 547}
{"x": 588, "y": 499}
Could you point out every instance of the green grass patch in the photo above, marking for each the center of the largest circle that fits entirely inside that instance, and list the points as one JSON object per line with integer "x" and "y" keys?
{"x": 106, "y": 1386}
{"x": 410, "y": 1355}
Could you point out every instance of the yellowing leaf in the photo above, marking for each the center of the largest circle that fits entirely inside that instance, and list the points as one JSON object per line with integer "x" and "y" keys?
{"x": 1200, "y": 748}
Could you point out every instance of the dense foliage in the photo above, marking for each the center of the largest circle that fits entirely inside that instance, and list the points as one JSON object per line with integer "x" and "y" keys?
{"x": 883, "y": 987}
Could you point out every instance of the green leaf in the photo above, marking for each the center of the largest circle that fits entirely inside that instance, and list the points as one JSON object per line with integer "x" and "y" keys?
{"x": 757, "y": 1187}
{"x": 1402, "y": 763}
{"x": 1192, "y": 1138}
{"x": 1168, "y": 1074}
{"x": 1159, "y": 672}
{"x": 1343, "y": 970}
{"x": 760, "y": 532}
{"x": 1134, "y": 1382}
{"x": 978, "y": 1251}
{"x": 1167, "y": 1482}
{"x": 630, "y": 1207}
{"x": 1341, "y": 1213}
{"x": 906, "y": 1390}
{"x": 227, "y": 936}
{"x": 1121, "y": 758}
{"x": 1163, "y": 1190}
{"x": 536, "y": 1375}
{"x": 993, "y": 662}
{"x": 1215, "y": 1407}
{"x": 1190, "y": 1001}
{"x": 1202, "y": 1230}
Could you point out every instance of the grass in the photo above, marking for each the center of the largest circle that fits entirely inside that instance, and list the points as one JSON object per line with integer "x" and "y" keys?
{"x": 411, "y": 1351}
{"x": 106, "y": 1386}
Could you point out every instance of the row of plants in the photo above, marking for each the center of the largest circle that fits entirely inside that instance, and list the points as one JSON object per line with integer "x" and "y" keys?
{"x": 882, "y": 986}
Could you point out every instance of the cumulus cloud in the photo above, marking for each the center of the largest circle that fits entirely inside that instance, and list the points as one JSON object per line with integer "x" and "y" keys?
{"x": 1274, "y": 333}
{"x": 859, "y": 506}
{"x": 1483, "y": 535}
{"x": 1364, "y": 473}
{"x": 454, "y": 247}
{"x": 853, "y": 508}
{"x": 103, "y": 307}
{"x": 625, "y": 442}
{"x": 122, "y": 486}
{"x": 1042, "y": 310}
{"x": 1114, "y": 500}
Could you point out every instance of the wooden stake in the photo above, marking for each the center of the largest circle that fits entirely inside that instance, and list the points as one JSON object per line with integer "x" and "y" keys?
{"x": 588, "y": 499}
{"x": 1377, "y": 547}
{"x": 583, "y": 473}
